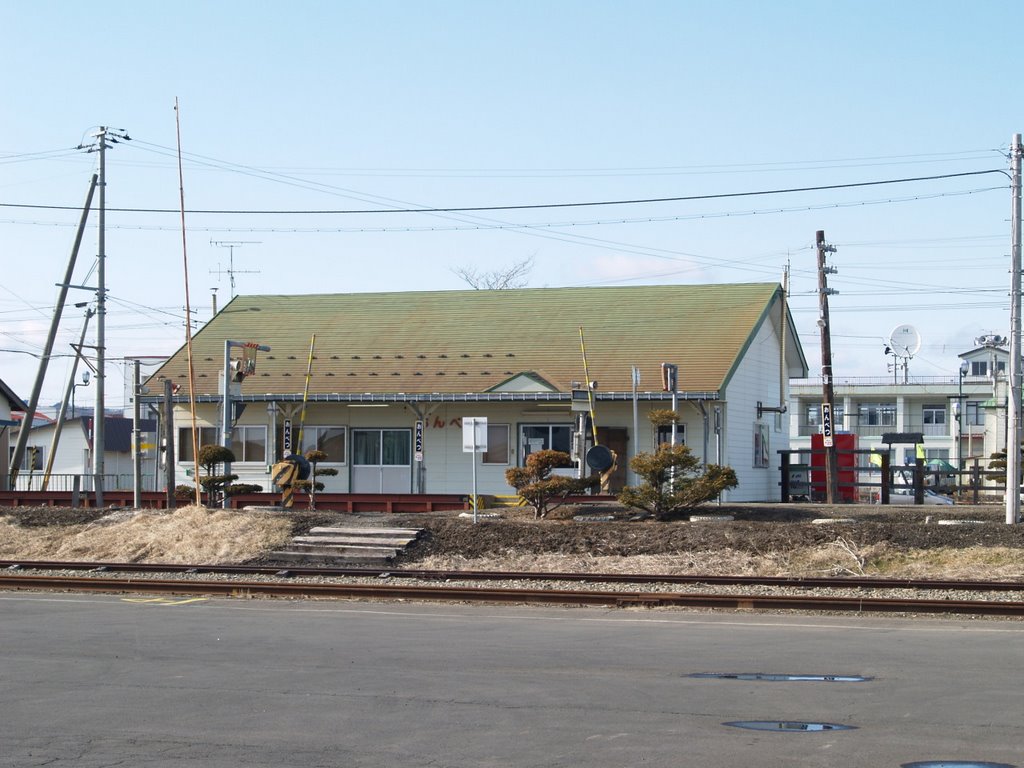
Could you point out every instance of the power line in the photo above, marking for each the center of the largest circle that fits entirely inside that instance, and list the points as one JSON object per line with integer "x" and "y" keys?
{"x": 532, "y": 206}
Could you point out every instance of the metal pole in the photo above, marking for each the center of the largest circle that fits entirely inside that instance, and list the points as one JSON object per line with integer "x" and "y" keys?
{"x": 473, "y": 456}
{"x": 1014, "y": 403}
{"x": 136, "y": 448}
{"x": 225, "y": 418}
{"x": 636, "y": 422}
{"x": 169, "y": 458}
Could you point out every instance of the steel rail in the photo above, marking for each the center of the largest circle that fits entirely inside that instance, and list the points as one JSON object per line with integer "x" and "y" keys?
{"x": 293, "y": 590}
{"x": 867, "y": 582}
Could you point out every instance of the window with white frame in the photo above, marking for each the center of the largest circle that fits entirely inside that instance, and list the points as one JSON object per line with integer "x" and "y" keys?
{"x": 814, "y": 415}
{"x": 204, "y": 435}
{"x": 934, "y": 414}
{"x": 979, "y": 367}
{"x": 664, "y": 435}
{"x": 876, "y": 414}
{"x": 249, "y": 443}
{"x": 497, "y": 444}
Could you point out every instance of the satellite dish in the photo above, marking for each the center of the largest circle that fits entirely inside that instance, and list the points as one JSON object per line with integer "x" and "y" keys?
{"x": 905, "y": 341}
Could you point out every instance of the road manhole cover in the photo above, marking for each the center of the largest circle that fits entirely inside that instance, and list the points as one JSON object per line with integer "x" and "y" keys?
{"x": 788, "y": 726}
{"x": 783, "y": 678}
{"x": 955, "y": 764}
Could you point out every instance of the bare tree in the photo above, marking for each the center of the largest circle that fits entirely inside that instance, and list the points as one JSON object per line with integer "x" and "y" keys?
{"x": 515, "y": 276}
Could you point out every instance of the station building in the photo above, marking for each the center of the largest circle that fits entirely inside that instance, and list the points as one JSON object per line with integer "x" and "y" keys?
{"x": 381, "y": 382}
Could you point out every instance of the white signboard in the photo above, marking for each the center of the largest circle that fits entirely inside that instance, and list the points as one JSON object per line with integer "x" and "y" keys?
{"x": 474, "y": 434}
{"x": 826, "y": 425}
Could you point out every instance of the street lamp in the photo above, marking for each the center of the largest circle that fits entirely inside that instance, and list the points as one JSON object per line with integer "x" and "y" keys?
{"x": 964, "y": 368}
{"x": 85, "y": 383}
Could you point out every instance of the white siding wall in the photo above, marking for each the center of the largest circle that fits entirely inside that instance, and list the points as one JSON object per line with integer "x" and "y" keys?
{"x": 757, "y": 378}
{"x": 447, "y": 467}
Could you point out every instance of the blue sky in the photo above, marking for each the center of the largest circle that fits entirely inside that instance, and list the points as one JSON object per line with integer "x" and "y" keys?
{"x": 383, "y": 105}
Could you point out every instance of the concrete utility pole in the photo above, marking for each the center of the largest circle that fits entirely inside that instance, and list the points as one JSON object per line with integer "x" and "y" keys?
{"x": 1014, "y": 404}
{"x": 828, "y": 394}
{"x": 44, "y": 360}
{"x": 103, "y": 136}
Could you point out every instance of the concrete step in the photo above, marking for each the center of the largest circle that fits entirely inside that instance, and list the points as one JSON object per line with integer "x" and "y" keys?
{"x": 343, "y": 550}
{"x": 352, "y": 544}
{"x": 365, "y": 531}
{"x": 308, "y": 557}
{"x": 358, "y": 540}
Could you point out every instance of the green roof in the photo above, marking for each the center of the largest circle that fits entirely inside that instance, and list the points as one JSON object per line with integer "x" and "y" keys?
{"x": 471, "y": 341}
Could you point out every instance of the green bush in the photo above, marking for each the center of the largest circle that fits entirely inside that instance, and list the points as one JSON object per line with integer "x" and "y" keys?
{"x": 535, "y": 484}
{"x": 665, "y": 497}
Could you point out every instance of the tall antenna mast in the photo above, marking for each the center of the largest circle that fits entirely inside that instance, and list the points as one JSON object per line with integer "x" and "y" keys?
{"x": 231, "y": 271}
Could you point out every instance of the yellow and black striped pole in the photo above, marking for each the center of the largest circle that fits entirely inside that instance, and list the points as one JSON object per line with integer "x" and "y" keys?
{"x": 284, "y": 476}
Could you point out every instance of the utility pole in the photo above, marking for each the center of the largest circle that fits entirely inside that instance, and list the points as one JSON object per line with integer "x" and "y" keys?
{"x": 828, "y": 399}
{"x": 44, "y": 360}
{"x": 102, "y": 136}
{"x": 1014, "y": 404}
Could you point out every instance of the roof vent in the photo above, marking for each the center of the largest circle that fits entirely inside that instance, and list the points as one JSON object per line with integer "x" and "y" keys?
{"x": 399, "y": 357}
{"x": 377, "y": 357}
{"x": 442, "y": 355}
{"x": 355, "y": 357}
{"x": 488, "y": 354}
{"x": 510, "y": 354}
{"x": 291, "y": 357}
{"x": 422, "y": 357}
{"x": 329, "y": 373}
{"x": 463, "y": 355}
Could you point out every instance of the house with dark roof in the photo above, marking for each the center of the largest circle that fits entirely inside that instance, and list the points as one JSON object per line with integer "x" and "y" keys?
{"x": 73, "y": 454}
{"x": 383, "y": 382}
{"x": 9, "y": 403}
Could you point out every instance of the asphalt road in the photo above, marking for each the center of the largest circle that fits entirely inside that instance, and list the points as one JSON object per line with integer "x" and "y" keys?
{"x": 108, "y": 681}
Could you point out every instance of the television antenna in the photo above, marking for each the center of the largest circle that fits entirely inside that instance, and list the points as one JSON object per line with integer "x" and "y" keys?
{"x": 231, "y": 271}
{"x": 904, "y": 343}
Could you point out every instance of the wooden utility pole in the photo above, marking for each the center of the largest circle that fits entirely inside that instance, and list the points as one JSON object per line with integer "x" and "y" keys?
{"x": 828, "y": 394}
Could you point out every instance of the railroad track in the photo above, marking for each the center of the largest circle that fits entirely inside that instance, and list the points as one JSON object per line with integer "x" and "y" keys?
{"x": 288, "y": 571}
{"x": 529, "y": 587}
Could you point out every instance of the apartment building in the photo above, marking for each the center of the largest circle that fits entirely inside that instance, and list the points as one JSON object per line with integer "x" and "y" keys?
{"x": 962, "y": 416}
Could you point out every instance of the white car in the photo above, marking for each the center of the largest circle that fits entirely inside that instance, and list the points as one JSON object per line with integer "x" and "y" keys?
{"x": 904, "y": 495}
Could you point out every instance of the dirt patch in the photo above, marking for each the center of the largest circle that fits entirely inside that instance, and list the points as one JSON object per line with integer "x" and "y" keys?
{"x": 185, "y": 535}
{"x": 759, "y": 539}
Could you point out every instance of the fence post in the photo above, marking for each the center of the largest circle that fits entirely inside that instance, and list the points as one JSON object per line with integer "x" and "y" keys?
{"x": 76, "y": 487}
{"x": 784, "y": 455}
{"x": 918, "y": 480}
{"x": 976, "y": 480}
{"x": 885, "y": 477}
